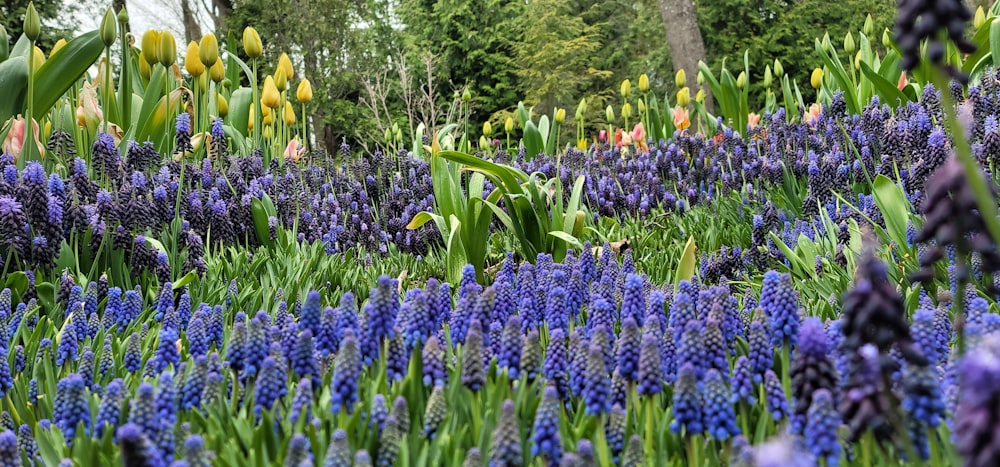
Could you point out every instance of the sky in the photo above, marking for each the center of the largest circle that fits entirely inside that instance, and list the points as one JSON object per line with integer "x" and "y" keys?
{"x": 145, "y": 15}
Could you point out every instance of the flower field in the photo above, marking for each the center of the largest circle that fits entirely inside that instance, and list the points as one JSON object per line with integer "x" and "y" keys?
{"x": 189, "y": 279}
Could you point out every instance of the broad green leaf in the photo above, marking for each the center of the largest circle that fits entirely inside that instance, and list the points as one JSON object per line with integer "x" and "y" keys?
{"x": 893, "y": 204}
{"x": 685, "y": 267}
{"x": 889, "y": 93}
{"x": 187, "y": 279}
{"x": 260, "y": 222}
{"x": 239, "y": 110}
{"x": 568, "y": 238}
{"x": 533, "y": 143}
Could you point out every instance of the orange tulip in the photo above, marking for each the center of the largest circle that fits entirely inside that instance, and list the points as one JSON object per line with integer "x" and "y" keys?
{"x": 639, "y": 135}
{"x": 812, "y": 115}
{"x": 681, "y": 119}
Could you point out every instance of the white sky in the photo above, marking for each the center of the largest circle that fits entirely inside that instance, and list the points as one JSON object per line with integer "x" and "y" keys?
{"x": 145, "y": 15}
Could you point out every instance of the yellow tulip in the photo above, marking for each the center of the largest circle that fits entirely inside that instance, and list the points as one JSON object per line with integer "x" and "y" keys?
{"x": 305, "y": 91}
{"x": 626, "y": 88}
{"x": 487, "y": 128}
{"x": 280, "y": 79}
{"x": 209, "y": 50}
{"x": 741, "y": 80}
{"x": 55, "y": 47}
{"x": 869, "y": 26}
{"x": 626, "y": 110}
{"x": 217, "y": 72}
{"x": 643, "y": 83}
{"x": 289, "y": 114}
{"x": 192, "y": 62}
{"x": 610, "y": 114}
{"x": 268, "y": 133}
{"x": 286, "y": 63}
{"x": 767, "y": 76}
{"x": 681, "y": 79}
{"x": 270, "y": 97}
{"x": 39, "y": 59}
{"x": 265, "y": 110}
{"x": 168, "y": 49}
{"x": 222, "y": 104}
{"x": 560, "y": 115}
{"x": 817, "y": 78}
{"x": 779, "y": 70}
{"x": 700, "y": 97}
{"x": 684, "y": 97}
{"x": 253, "y": 111}
{"x": 267, "y": 120}
{"x": 251, "y": 43}
{"x": 980, "y": 18}
{"x": 849, "y": 43}
{"x": 144, "y": 67}
{"x": 151, "y": 47}
{"x": 508, "y": 125}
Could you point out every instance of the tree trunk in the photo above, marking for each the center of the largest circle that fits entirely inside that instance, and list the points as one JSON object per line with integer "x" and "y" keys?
{"x": 684, "y": 40}
{"x": 118, "y": 5}
{"x": 192, "y": 30}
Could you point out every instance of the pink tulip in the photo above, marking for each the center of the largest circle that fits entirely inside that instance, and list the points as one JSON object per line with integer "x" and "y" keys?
{"x": 14, "y": 142}
{"x": 603, "y": 136}
{"x": 294, "y": 150}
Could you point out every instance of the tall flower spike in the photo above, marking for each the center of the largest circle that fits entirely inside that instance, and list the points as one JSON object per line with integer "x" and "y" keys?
{"x": 531, "y": 356}
{"x": 509, "y": 356}
{"x": 743, "y": 387}
{"x": 978, "y": 411}
{"x": 811, "y": 370}
{"x": 338, "y": 454}
{"x": 136, "y": 448}
{"x": 597, "y": 387}
{"x": 650, "y": 365}
{"x": 687, "y": 402}
{"x": 720, "y": 419}
{"x": 473, "y": 373}
{"x": 72, "y": 406}
{"x": 437, "y": 410}
{"x": 780, "y": 303}
{"x": 821, "y": 430}
{"x": 628, "y": 349}
{"x": 545, "y": 434}
{"x": 556, "y": 363}
{"x": 347, "y": 371}
{"x": 506, "y": 448}
{"x": 433, "y": 363}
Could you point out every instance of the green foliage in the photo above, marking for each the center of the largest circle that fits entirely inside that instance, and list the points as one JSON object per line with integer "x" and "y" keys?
{"x": 554, "y": 51}
{"x": 473, "y": 41}
{"x": 783, "y": 30}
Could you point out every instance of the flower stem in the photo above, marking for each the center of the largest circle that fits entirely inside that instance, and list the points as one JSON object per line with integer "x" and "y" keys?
{"x": 28, "y": 148}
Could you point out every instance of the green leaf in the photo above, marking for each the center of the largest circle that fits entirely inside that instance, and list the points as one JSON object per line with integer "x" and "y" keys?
{"x": 187, "y": 279}
{"x": 893, "y": 204}
{"x": 568, "y": 238}
{"x": 889, "y": 93}
{"x": 995, "y": 42}
{"x": 685, "y": 267}
{"x": 239, "y": 110}
{"x": 260, "y": 222}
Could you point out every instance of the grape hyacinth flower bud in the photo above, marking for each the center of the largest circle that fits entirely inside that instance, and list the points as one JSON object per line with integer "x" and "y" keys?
{"x": 811, "y": 370}
{"x": 687, "y": 402}
{"x": 338, "y": 454}
{"x": 506, "y": 448}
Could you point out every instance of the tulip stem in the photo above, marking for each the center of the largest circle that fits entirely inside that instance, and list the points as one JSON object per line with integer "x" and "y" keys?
{"x": 28, "y": 135}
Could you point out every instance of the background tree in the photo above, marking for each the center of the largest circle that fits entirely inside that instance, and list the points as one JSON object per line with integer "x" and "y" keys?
{"x": 58, "y": 19}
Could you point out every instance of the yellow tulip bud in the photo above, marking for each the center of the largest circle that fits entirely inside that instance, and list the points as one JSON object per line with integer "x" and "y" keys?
{"x": 700, "y": 97}
{"x": 886, "y": 38}
{"x": 268, "y": 119}
{"x": 217, "y": 72}
{"x": 208, "y": 50}
{"x": 399, "y": 135}
{"x": 250, "y": 119}
{"x": 144, "y": 68}
{"x": 280, "y": 79}
{"x": 508, "y": 125}
{"x": 980, "y": 18}
{"x": 251, "y": 43}
{"x": 270, "y": 97}
{"x": 626, "y": 88}
{"x": 741, "y": 80}
{"x": 47, "y": 130}
{"x": 767, "y": 76}
{"x": 289, "y": 114}
{"x": 151, "y": 46}
{"x": 626, "y": 110}
{"x": 643, "y": 83}
{"x": 388, "y": 135}
{"x": 642, "y": 107}
{"x": 700, "y": 81}
{"x": 305, "y": 91}
{"x": 466, "y": 95}
{"x": 487, "y": 128}
{"x": 610, "y": 114}
{"x": 268, "y": 132}
{"x": 817, "y": 78}
{"x": 857, "y": 60}
{"x": 39, "y": 59}
{"x": 168, "y": 49}
{"x": 560, "y": 115}
{"x": 192, "y": 63}
{"x": 32, "y": 25}
{"x": 109, "y": 28}
{"x": 779, "y": 70}
{"x": 849, "y": 43}
{"x": 680, "y": 79}
{"x": 684, "y": 96}
{"x": 286, "y": 63}
{"x": 222, "y": 105}
{"x": 55, "y": 47}
{"x": 264, "y": 110}
{"x": 869, "y": 26}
